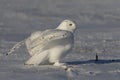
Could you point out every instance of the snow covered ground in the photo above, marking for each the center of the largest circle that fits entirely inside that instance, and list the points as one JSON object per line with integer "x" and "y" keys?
{"x": 98, "y": 23}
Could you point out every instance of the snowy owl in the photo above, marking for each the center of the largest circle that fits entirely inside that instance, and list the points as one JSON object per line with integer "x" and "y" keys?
{"x": 51, "y": 45}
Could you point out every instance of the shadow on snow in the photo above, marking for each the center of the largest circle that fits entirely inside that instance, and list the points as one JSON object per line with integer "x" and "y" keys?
{"x": 94, "y": 61}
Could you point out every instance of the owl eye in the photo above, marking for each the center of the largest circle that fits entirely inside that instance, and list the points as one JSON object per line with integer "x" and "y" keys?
{"x": 70, "y": 24}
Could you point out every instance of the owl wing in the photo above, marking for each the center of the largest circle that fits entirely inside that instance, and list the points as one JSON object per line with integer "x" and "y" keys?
{"x": 48, "y": 39}
{"x": 33, "y": 36}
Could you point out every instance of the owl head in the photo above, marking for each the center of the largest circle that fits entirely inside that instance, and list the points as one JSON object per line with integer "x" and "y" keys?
{"x": 67, "y": 25}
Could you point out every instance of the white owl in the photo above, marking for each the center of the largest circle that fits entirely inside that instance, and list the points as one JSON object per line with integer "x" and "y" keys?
{"x": 51, "y": 45}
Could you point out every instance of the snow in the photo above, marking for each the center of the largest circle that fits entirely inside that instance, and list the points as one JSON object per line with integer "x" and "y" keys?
{"x": 98, "y": 32}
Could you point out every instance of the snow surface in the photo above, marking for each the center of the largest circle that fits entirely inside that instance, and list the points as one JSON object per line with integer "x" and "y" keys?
{"x": 98, "y": 32}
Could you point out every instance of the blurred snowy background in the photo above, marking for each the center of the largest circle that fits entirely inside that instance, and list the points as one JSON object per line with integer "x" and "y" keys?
{"x": 98, "y": 23}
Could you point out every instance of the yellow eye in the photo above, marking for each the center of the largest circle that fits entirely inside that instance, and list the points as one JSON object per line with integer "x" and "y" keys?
{"x": 70, "y": 24}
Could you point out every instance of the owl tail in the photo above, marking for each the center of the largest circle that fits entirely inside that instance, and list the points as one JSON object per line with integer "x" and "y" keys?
{"x": 16, "y": 46}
